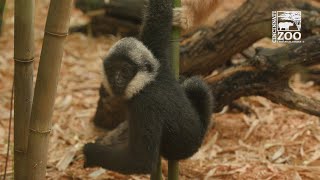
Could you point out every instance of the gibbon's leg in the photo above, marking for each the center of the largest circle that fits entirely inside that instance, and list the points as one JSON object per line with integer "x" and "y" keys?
{"x": 118, "y": 157}
{"x": 117, "y": 136}
{"x": 180, "y": 19}
{"x": 193, "y": 13}
{"x": 138, "y": 154}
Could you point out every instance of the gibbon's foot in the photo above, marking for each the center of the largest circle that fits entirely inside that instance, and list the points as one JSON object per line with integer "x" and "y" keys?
{"x": 88, "y": 160}
{"x": 180, "y": 19}
{"x": 119, "y": 135}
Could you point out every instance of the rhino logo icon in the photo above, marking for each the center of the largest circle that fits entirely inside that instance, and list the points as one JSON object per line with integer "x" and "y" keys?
{"x": 289, "y": 20}
{"x": 284, "y": 25}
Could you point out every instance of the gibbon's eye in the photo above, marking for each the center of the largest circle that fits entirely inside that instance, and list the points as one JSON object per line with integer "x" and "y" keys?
{"x": 148, "y": 67}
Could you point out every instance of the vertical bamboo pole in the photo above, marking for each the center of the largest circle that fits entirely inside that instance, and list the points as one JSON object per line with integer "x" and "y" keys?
{"x": 56, "y": 31}
{"x": 157, "y": 175}
{"x": 2, "y": 6}
{"x": 23, "y": 81}
{"x": 176, "y": 44}
{"x": 173, "y": 170}
{"x": 173, "y": 166}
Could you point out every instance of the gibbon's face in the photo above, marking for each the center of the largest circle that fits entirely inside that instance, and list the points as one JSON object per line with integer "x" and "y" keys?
{"x": 119, "y": 71}
{"x": 128, "y": 68}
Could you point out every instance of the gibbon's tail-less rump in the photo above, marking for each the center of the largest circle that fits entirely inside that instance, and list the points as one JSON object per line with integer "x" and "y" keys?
{"x": 160, "y": 116}
{"x": 201, "y": 98}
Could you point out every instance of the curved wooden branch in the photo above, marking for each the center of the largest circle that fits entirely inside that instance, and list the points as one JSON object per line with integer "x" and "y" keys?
{"x": 289, "y": 98}
{"x": 267, "y": 74}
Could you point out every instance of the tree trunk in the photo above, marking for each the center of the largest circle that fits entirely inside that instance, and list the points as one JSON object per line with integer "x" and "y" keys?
{"x": 23, "y": 82}
{"x": 56, "y": 31}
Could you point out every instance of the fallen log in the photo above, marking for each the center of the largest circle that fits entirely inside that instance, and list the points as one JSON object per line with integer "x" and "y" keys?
{"x": 267, "y": 74}
{"x": 206, "y": 49}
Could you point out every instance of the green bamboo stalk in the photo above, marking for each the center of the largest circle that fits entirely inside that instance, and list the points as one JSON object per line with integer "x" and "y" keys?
{"x": 157, "y": 175}
{"x": 2, "y": 7}
{"x": 173, "y": 166}
{"x": 46, "y": 85}
{"x": 23, "y": 81}
{"x": 173, "y": 170}
{"x": 176, "y": 44}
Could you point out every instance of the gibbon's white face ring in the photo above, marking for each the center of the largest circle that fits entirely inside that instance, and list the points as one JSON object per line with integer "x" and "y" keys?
{"x": 139, "y": 54}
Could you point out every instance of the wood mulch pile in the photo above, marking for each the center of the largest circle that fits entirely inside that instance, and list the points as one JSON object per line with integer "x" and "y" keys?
{"x": 271, "y": 143}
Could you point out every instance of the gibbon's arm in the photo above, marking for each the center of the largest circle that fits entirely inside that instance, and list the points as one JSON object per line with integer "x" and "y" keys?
{"x": 136, "y": 156}
{"x": 156, "y": 29}
{"x": 139, "y": 154}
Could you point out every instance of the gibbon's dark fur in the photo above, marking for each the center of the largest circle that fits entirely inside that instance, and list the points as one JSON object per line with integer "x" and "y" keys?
{"x": 164, "y": 117}
{"x": 200, "y": 97}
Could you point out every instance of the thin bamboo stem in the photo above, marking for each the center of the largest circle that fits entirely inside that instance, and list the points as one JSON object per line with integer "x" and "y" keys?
{"x": 2, "y": 7}
{"x": 23, "y": 81}
{"x": 157, "y": 175}
{"x": 173, "y": 170}
{"x": 9, "y": 135}
{"x": 175, "y": 51}
{"x": 173, "y": 166}
{"x": 46, "y": 85}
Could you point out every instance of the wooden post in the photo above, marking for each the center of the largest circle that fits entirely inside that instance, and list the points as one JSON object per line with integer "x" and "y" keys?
{"x": 23, "y": 81}
{"x": 56, "y": 31}
{"x": 173, "y": 166}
